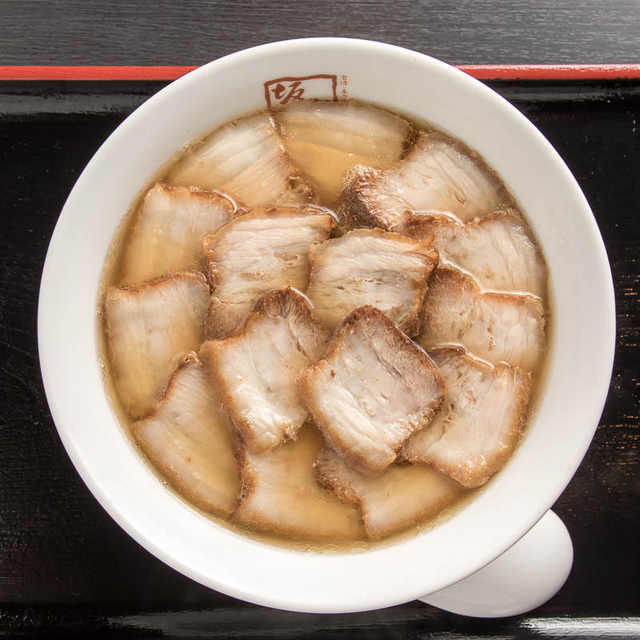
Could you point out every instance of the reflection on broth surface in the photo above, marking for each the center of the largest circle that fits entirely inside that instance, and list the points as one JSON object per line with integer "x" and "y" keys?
{"x": 260, "y": 306}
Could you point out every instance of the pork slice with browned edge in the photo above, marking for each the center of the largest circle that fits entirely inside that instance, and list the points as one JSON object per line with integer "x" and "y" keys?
{"x": 255, "y": 370}
{"x": 263, "y": 250}
{"x": 371, "y": 267}
{"x": 190, "y": 441}
{"x": 371, "y": 391}
{"x": 480, "y": 422}
{"x": 149, "y": 328}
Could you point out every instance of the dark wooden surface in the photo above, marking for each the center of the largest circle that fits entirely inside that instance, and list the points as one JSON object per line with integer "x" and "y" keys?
{"x": 66, "y": 569}
{"x": 196, "y": 31}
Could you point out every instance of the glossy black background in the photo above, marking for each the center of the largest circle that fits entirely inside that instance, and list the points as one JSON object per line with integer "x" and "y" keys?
{"x": 67, "y": 569}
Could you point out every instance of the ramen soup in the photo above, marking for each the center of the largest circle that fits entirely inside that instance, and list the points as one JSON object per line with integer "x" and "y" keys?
{"x": 325, "y": 323}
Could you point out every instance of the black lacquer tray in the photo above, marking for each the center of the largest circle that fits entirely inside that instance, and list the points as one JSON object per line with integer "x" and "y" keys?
{"x": 66, "y": 569}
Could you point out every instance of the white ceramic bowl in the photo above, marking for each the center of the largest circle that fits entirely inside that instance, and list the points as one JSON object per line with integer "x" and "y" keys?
{"x": 583, "y": 327}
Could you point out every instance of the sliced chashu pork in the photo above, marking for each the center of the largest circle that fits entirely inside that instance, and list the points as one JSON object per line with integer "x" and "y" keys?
{"x": 391, "y": 502}
{"x": 370, "y": 266}
{"x": 499, "y": 327}
{"x": 168, "y": 230}
{"x": 190, "y": 441}
{"x": 149, "y": 327}
{"x": 325, "y": 139}
{"x": 245, "y": 159}
{"x": 256, "y": 370}
{"x": 263, "y": 250}
{"x": 480, "y": 422}
{"x": 496, "y": 249}
{"x": 280, "y": 494}
{"x": 436, "y": 176}
{"x": 371, "y": 391}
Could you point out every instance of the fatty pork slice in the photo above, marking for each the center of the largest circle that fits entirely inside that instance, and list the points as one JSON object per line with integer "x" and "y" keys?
{"x": 245, "y": 159}
{"x": 149, "y": 327}
{"x": 500, "y": 327}
{"x": 263, "y": 250}
{"x": 371, "y": 391}
{"x": 280, "y": 494}
{"x": 479, "y": 424}
{"x": 256, "y": 369}
{"x": 325, "y": 139}
{"x": 370, "y": 266}
{"x": 190, "y": 442}
{"x": 436, "y": 176}
{"x": 168, "y": 231}
{"x": 392, "y": 502}
{"x": 496, "y": 249}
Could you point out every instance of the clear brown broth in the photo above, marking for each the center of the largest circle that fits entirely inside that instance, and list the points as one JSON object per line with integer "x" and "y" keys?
{"x": 112, "y": 274}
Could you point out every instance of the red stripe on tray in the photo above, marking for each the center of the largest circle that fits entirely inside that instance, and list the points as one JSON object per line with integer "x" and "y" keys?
{"x": 479, "y": 71}
{"x": 93, "y": 73}
{"x": 552, "y": 72}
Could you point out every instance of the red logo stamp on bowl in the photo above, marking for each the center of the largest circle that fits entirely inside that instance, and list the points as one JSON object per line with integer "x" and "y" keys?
{"x": 281, "y": 91}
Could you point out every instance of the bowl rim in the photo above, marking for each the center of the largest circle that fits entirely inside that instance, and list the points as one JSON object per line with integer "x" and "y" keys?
{"x": 403, "y": 590}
